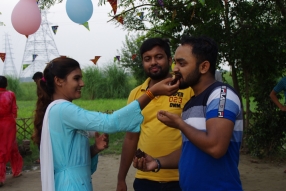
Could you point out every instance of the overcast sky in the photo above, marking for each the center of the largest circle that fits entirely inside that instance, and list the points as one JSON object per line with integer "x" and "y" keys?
{"x": 73, "y": 40}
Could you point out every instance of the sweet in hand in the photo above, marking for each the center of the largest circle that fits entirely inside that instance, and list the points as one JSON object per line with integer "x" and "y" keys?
{"x": 176, "y": 77}
{"x": 139, "y": 154}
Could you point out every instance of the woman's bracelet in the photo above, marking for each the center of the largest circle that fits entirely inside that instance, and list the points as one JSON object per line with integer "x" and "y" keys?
{"x": 150, "y": 94}
{"x": 158, "y": 167}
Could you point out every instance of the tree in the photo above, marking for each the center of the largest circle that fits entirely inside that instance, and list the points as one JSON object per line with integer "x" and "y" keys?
{"x": 131, "y": 47}
{"x": 251, "y": 38}
{"x": 48, "y": 3}
{"x": 250, "y": 35}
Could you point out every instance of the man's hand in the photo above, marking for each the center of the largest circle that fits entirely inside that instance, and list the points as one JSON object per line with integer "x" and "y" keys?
{"x": 169, "y": 119}
{"x": 145, "y": 164}
{"x": 121, "y": 186}
{"x": 283, "y": 108}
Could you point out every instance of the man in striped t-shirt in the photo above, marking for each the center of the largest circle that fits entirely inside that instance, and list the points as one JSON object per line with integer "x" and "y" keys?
{"x": 211, "y": 124}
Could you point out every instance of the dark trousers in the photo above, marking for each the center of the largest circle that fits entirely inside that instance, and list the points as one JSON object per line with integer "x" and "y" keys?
{"x": 148, "y": 185}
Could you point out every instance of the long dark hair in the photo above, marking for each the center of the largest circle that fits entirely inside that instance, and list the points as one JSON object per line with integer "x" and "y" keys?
{"x": 59, "y": 67}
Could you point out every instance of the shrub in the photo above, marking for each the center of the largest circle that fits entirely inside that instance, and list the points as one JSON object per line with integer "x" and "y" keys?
{"x": 14, "y": 85}
{"x": 111, "y": 82}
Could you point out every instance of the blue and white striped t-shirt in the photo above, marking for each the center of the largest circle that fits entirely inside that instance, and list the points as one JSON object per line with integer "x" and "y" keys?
{"x": 198, "y": 170}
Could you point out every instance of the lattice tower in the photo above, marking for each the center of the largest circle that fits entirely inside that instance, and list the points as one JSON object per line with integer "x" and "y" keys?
{"x": 9, "y": 68}
{"x": 42, "y": 44}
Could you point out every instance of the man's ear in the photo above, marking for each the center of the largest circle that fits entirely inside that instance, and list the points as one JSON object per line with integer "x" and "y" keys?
{"x": 204, "y": 67}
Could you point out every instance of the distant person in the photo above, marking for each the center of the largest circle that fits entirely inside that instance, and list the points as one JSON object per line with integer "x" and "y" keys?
{"x": 155, "y": 137}
{"x": 281, "y": 86}
{"x": 37, "y": 76}
{"x": 211, "y": 124}
{"x": 67, "y": 159}
{"x": 218, "y": 76}
{"x": 8, "y": 130}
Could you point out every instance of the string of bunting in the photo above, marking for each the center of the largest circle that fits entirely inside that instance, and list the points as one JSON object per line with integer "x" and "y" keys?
{"x": 113, "y": 4}
{"x": 55, "y": 29}
{"x": 3, "y": 56}
{"x": 95, "y": 59}
{"x": 116, "y": 58}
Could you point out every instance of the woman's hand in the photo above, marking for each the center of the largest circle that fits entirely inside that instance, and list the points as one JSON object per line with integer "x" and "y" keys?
{"x": 101, "y": 142}
{"x": 164, "y": 87}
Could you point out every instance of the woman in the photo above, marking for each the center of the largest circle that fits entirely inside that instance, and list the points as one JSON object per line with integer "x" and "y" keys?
{"x": 8, "y": 145}
{"x": 61, "y": 127}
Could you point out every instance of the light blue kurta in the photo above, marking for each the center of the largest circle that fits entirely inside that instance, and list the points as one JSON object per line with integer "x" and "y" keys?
{"x": 71, "y": 150}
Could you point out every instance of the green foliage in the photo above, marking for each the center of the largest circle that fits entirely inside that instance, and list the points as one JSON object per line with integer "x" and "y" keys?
{"x": 14, "y": 85}
{"x": 26, "y": 108}
{"x": 132, "y": 46}
{"x": 28, "y": 91}
{"x": 93, "y": 82}
{"x": 116, "y": 84}
{"x": 48, "y": 3}
{"x": 266, "y": 134}
{"x": 227, "y": 77}
{"x": 24, "y": 90}
{"x": 111, "y": 82}
{"x": 251, "y": 39}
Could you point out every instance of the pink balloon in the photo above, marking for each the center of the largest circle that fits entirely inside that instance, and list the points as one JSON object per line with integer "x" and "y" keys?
{"x": 26, "y": 17}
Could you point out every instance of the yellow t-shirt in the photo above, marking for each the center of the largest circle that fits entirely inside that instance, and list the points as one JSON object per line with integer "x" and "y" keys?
{"x": 157, "y": 139}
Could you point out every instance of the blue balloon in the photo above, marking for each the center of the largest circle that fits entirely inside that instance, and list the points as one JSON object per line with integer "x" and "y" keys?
{"x": 79, "y": 11}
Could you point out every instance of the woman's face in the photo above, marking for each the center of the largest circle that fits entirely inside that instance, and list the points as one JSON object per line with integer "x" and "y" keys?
{"x": 70, "y": 88}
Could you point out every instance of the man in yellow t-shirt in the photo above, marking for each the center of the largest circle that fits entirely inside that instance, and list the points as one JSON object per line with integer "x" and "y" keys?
{"x": 155, "y": 138}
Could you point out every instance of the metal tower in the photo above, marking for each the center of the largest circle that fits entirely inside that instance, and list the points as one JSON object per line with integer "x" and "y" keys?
{"x": 40, "y": 49}
{"x": 9, "y": 66}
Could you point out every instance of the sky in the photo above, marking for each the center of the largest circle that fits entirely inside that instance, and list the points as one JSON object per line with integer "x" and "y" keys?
{"x": 72, "y": 40}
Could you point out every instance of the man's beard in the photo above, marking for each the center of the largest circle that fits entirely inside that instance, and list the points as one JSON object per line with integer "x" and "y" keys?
{"x": 160, "y": 75}
{"x": 191, "y": 80}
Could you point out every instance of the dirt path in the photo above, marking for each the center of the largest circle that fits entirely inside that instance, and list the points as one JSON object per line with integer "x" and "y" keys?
{"x": 260, "y": 176}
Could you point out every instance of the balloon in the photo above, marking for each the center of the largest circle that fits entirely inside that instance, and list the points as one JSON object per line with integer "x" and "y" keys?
{"x": 26, "y": 17}
{"x": 79, "y": 11}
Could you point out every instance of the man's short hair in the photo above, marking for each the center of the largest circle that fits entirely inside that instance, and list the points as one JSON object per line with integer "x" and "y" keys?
{"x": 37, "y": 75}
{"x": 204, "y": 49}
{"x": 152, "y": 42}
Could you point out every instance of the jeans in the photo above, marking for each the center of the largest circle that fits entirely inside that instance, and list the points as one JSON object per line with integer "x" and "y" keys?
{"x": 149, "y": 185}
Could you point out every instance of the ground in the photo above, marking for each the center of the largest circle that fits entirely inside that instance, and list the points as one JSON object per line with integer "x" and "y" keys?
{"x": 256, "y": 175}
